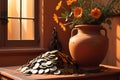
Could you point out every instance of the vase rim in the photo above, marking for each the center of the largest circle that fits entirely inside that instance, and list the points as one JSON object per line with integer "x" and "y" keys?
{"x": 87, "y": 25}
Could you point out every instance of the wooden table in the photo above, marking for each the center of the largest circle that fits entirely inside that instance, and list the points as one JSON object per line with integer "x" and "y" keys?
{"x": 10, "y": 73}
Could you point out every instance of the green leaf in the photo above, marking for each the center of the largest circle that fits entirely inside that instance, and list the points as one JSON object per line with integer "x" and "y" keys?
{"x": 65, "y": 14}
{"x": 81, "y": 3}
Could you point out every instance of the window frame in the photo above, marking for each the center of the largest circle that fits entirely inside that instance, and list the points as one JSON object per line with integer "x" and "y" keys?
{"x": 25, "y": 43}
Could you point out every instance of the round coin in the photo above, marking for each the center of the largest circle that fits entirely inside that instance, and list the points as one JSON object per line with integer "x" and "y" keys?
{"x": 48, "y": 63}
{"x": 56, "y": 58}
{"x": 53, "y": 51}
{"x": 57, "y": 72}
{"x": 43, "y": 64}
{"x": 52, "y": 56}
{"x": 46, "y": 70}
{"x": 27, "y": 72}
{"x": 41, "y": 71}
{"x": 42, "y": 67}
{"x": 54, "y": 68}
{"x": 34, "y": 71}
{"x": 36, "y": 66}
{"x": 23, "y": 69}
{"x": 41, "y": 60}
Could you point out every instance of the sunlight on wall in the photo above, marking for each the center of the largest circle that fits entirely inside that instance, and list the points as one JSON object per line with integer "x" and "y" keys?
{"x": 27, "y": 28}
{"x": 118, "y": 45}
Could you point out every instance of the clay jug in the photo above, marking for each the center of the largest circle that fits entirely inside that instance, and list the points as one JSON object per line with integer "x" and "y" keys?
{"x": 88, "y": 46}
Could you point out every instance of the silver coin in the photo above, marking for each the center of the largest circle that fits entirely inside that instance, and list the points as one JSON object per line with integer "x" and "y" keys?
{"x": 49, "y": 66}
{"x": 41, "y": 71}
{"x": 42, "y": 67}
{"x": 48, "y": 63}
{"x": 41, "y": 60}
{"x": 54, "y": 68}
{"x": 31, "y": 65}
{"x": 23, "y": 69}
{"x": 34, "y": 71}
{"x": 56, "y": 58}
{"x": 43, "y": 64}
{"x": 36, "y": 66}
{"x": 57, "y": 72}
{"x": 53, "y": 51}
{"x": 43, "y": 55}
{"x": 52, "y": 56}
{"x": 30, "y": 61}
{"x": 47, "y": 71}
{"x": 47, "y": 53}
{"x": 27, "y": 72}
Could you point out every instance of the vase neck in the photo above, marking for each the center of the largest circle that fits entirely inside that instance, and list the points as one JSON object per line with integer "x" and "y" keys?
{"x": 89, "y": 30}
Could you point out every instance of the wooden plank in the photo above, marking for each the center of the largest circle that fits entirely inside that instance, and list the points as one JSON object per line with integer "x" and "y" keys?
{"x": 109, "y": 74}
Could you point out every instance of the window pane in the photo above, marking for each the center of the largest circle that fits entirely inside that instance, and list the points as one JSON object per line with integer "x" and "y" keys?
{"x": 14, "y": 8}
{"x": 27, "y": 30}
{"x": 14, "y": 29}
{"x": 28, "y": 8}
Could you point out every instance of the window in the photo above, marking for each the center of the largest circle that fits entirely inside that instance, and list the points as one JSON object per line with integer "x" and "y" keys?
{"x": 22, "y": 28}
{"x": 21, "y": 20}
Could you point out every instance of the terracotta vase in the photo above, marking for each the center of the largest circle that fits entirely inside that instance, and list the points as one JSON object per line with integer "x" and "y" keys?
{"x": 87, "y": 46}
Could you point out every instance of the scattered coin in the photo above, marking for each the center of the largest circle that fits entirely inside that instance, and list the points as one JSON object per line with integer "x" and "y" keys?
{"x": 57, "y": 72}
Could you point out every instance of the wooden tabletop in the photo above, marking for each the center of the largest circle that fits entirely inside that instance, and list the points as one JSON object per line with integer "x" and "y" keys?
{"x": 12, "y": 73}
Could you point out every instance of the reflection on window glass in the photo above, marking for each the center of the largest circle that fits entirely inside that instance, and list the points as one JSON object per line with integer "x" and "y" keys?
{"x": 27, "y": 30}
{"x": 14, "y": 8}
{"x": 14, "y": 29}
{"x": 28, "y": 8}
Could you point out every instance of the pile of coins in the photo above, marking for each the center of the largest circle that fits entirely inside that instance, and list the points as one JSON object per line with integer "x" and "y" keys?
{"x": 50, "y": 62}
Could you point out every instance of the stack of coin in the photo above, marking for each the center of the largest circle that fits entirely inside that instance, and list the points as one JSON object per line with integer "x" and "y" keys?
{"x": 49, "y": 62}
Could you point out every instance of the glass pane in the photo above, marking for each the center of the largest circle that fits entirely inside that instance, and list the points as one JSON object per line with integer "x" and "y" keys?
{"x": 28, "y": 8}
{"x": 14, "y": 29}
{"x": 27, "y": 30}
{"x": 13, "y": 8}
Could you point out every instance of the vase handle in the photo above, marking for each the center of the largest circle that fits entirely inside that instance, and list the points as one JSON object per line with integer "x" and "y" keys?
{"x": 74, "y": 31}
{"x": 105, "y": 31}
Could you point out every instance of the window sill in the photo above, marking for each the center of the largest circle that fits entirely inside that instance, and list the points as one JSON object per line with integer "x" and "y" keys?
{"x": 20, "y": 51}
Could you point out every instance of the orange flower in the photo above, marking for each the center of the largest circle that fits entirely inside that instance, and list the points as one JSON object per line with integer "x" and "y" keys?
{"x": 69, "y": 2}
{"x": 55, "y": 17}
{"x": 58, "y": 5}
{"x": 96, "y": 13}
{"x": 62, "y": 26}
{"x": 78, "y": 12}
